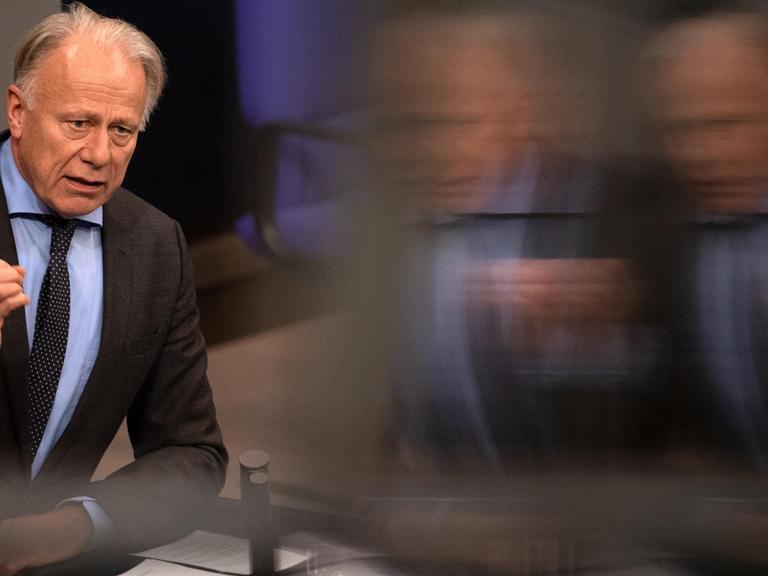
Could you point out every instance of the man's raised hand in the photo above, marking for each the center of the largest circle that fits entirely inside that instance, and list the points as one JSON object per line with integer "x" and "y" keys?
{"x": 11, "y": 291}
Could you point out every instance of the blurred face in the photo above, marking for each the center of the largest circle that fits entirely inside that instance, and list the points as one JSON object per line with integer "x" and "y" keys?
{"x": 713, "y": 109}
{"x": 74, "y": 139}
{"x": 457, "y": 120}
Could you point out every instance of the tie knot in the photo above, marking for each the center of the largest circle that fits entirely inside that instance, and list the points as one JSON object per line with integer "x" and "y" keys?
{"x": 62, "y": 231}
{"x": 58, "y": 222}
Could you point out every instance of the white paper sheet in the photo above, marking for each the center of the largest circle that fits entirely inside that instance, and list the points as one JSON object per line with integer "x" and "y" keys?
{"x": 159, "y": 568}
{"x": 219, "y": 552}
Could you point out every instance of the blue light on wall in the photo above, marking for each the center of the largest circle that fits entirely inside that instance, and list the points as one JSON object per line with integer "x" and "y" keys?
{"x": 300, "y": 59}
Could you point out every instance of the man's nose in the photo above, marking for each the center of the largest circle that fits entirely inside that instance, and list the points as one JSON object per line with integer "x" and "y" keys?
{"x": 95, "y": 150}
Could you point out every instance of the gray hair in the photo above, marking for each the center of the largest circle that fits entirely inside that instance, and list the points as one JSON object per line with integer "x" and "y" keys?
{"x": 50, "y": 34}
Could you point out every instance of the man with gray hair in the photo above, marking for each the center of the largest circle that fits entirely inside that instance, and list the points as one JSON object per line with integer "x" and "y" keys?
{"x": 97, "y": 309}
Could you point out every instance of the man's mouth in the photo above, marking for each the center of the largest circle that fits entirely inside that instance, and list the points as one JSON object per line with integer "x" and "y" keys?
{"x": 83, "y": 183}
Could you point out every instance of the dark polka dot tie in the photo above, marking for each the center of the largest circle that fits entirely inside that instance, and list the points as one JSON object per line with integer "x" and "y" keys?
{"x": 49, "y": 345}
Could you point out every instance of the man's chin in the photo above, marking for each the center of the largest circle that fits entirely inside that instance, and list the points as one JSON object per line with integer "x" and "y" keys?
{"x": 729, "y": 199}
{"x": 77, "y": 207}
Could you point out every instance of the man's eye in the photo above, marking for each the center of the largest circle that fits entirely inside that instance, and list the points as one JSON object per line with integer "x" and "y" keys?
{"x": 78, "y": 124}
{"x": 122, "y": 131}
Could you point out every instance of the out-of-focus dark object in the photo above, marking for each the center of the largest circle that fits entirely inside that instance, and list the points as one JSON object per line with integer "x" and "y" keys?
{"x": 256, "y": 508}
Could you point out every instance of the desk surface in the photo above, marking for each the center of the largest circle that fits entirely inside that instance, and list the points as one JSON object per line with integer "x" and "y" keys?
{"x": 443, "y": 536}
{"x": 225, "y": 519}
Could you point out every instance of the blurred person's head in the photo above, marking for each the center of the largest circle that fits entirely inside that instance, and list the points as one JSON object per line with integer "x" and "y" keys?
{"x": 454, "y": 96}
{"x": 711, "y": 102}
{"x": 84, "y": 86}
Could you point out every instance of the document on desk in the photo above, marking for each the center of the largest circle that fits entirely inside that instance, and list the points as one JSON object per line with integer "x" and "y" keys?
{"x": 219, "y": 552}
{"x": 160, "y": 568}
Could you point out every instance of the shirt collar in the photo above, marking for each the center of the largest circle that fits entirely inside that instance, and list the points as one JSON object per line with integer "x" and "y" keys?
{"x": 20, "y": 197}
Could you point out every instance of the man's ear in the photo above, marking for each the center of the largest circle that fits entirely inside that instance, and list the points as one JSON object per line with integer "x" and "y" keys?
{"x": 15, "y": 110}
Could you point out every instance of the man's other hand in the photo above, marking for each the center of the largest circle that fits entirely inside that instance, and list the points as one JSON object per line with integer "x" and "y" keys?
{"x": 42, "y": 539}
{"x": 586, "y": 297}
{"x": 11, "y": 291}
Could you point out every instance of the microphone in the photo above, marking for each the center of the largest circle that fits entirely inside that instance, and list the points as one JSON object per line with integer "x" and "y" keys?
{"x": 257, "y": 510}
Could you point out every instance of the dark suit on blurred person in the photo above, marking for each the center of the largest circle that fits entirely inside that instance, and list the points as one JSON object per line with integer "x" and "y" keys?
{"x": 474, "y": 381}
{"x": 717, "y": 288}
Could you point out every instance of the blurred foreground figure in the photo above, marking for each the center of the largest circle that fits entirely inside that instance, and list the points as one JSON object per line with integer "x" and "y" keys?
{"x": 522, "y": 339}
{"x": 711, "y": 90}
{"x": 110, "y": 327}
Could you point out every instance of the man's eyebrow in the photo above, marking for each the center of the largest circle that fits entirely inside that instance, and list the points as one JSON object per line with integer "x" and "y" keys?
{"x": 79, "y": 113}
{"x": 124, "y": 122}
{"x": 94, "y": 116}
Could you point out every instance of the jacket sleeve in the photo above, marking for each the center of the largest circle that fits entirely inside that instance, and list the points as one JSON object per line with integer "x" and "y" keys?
{"x": 180, "y": 460}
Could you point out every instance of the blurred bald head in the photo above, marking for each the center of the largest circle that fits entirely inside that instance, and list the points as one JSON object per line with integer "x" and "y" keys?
{"x": 455, "y": 94}
{"x": 711, "y": 92}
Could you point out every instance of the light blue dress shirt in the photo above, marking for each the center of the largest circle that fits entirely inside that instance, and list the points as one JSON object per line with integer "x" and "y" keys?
{"x": 84, "y": 262}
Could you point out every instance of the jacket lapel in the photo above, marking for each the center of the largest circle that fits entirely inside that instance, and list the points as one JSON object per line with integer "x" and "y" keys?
{"x": 15, "y": 349}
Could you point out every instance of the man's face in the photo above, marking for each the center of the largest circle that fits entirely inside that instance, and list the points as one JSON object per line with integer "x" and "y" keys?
{"x": 714, "y": 117}
{"x": 459, "y": 123}
{"x": 73, "y": 142}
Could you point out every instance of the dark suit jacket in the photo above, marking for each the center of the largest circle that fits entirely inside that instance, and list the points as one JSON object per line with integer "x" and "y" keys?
{"x": 151, "y": 368}
{"x": 468, "y": 386}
